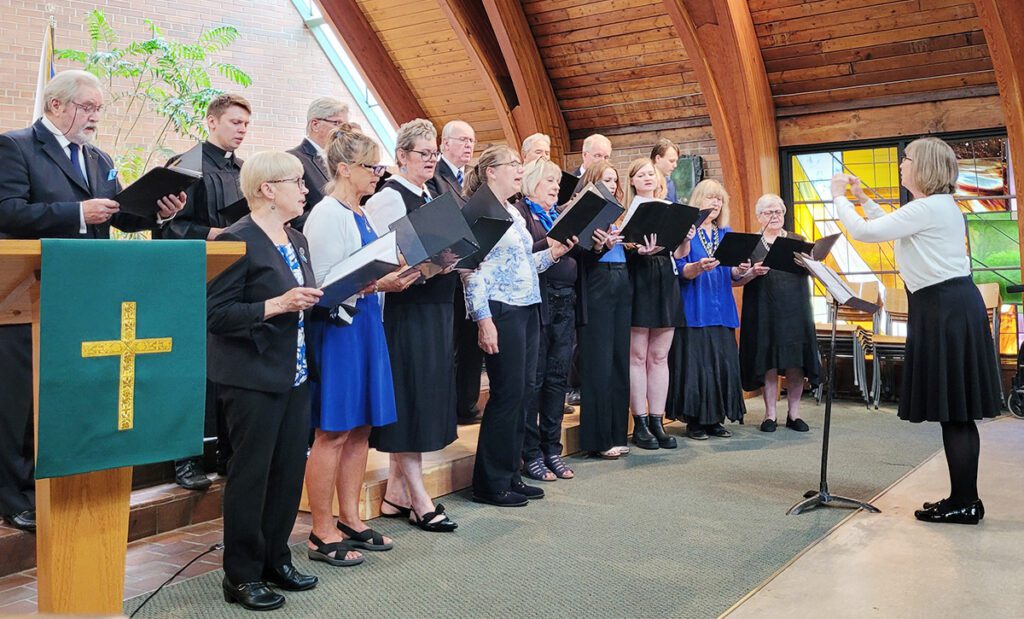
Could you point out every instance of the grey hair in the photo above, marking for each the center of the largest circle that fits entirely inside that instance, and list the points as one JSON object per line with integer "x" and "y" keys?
{"x": 446, "y": 131}
{"x": 594, "y": 139}
{"x": 325, "y": 107}
{"x": 411, "y": 131}
{"x": 66, "y": 84}
{"x": 532, "y": 139}
{"x": 767, "y": 200}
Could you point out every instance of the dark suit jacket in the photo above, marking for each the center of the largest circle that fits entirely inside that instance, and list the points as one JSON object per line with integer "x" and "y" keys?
{"x": 243, "y": 349}
{"x": 40, "y": 191}
{"x": 314, "y": 173}
{"x": 444, "y": 181}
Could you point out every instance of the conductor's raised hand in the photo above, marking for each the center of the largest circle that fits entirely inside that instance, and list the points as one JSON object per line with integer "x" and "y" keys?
{"x": 650, "y": 245}
{"x": 170, "y": 205}
{"x": 99, "y": 210}
{"x": 839, "y": 183}
{"x": 487, "y": 336}
{"x": 857, "y": 188}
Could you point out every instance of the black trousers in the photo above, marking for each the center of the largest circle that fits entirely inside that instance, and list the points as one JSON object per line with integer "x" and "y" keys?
{"x": 544, "y": 417}
{"x": 469, "y": 360}
{"x": 512, "y": 372}
{"x": 604, "y": 358}
{"x": 17, "y": 440}
{"x": 261, "y": 499}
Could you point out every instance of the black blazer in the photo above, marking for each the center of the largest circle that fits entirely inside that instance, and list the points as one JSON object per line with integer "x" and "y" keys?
{"x": 444, "y": 181}
{"x": 243, "y": 349}
{"x": 40, "y": 191}
{"x": 314, "y": 173}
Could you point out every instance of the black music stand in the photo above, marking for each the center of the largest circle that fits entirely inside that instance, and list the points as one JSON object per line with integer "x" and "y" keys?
{"x": 841, "y": 295}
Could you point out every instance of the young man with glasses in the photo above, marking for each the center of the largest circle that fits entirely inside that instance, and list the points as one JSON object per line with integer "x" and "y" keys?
{"x": 324, "y": 115}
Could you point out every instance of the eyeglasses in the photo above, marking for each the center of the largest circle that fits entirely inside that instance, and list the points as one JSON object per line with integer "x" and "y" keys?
{"x": 336, "y": 123}
{"x": 464, "y": 139}
{"x": 905, "y": 158}
{"x": 773, "y": 213}
{"x": 88, "y": 108}
{"x": 377, "y": 170}
{"x": 298, "y": 180}
{"x": 513, "y": 163}
{"x": 429, "y": 155}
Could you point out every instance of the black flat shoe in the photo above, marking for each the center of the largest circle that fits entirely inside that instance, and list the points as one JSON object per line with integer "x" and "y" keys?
{"x": 530, "y": 492}
{"x": 252, "y": 595}
{"x": 768, "y": 425}
{"x": 26, "y": 520}
{"x": 696, "y": 432}
{"x": 798, "y": 425}
{"x": 927, "y": 506}
{"x": 718, "y": 431}
{"x": 402, "y": 512}
{"x": 946, "y": 513}
{"x": 501, "y": 499}
{"x": 290, "y": 579}
{"x": 189, "y": 474}
{"x": 426, "y": 521}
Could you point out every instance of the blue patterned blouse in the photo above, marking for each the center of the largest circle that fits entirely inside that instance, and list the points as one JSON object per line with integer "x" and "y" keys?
{"x": 301, "y": 371}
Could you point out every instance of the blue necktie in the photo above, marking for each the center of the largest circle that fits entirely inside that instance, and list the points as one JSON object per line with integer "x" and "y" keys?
{"x": 75, "y": 163}
{"x": 458, "y": 177}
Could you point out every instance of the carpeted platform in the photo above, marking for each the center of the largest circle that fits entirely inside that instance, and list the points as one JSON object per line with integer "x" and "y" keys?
{"x": 668, "y": 533}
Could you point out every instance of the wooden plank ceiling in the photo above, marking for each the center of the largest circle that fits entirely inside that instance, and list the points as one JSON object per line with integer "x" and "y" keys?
{"x": 619, "y": 65}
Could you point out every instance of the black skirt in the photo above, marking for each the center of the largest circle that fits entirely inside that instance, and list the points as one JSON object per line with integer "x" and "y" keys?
{"x": 950, "y": 373}
{"x": 711, "y": 390}
{"x": 657, "y": 302}
{"x": 777, "y": 329}
{"x": 421, "y": 348}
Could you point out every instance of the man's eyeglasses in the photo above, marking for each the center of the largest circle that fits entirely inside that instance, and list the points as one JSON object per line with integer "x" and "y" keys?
{"x": 429, "y": 155}
{"x": 297, "y": 180}
{"x": 88, "y": 108}
{"x": 336, "y": 123}
{"x": 464, "y": 139}
{"x": 376, "y": 170}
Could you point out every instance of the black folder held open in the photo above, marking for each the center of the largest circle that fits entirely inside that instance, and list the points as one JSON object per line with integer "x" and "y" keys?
{"x": 435, "y": 236}
{"x": 784, "y": 249}
{"x": 735, "y": 248}
{"x": 588, "y": 211}
{"x": 489, "y": 220}
{"x": 140, "y": 198}
{"x": 670, "y": 221}
{"x": 368, "y": 264}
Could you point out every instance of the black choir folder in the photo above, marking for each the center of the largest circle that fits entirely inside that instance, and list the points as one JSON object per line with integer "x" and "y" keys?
{"x": 588, "y": 211}
{"x": 489, "y": 220}
{"x": 140, "y": 198}
{"x": 670, "y": 221}
{"x": 783, "y": 252}
{"x": 569, "y": 185}
{"x": 368, "y": 264}
{"x": 735, "y": 248}
{"x": 435, "y": 236}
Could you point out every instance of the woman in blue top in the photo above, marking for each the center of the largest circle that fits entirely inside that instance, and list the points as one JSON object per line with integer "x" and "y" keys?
{"x": 711, "y": 366}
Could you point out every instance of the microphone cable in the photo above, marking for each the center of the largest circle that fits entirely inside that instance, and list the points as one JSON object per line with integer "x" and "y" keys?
{"x": 213, "y": 548}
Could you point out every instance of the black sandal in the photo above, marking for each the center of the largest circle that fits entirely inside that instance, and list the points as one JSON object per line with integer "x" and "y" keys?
{"x": 402, "y": 512}
{"x": 324, "y": 552}
{"x": 536, "y": 469}
{"x": 426, "y": 521}
{"x": 366, "y": 540}
{"x": 559, "y": 467}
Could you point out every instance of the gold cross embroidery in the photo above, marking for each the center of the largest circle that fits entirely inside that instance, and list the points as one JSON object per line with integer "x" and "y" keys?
{"x": 126, "y": 348}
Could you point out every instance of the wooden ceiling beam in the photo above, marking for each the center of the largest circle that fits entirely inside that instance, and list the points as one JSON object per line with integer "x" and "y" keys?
{"x": 370, "y": 56}
{"x": 538, "y": 110}
{"x": 1003, "y": 22}
{"x": 719, "y": 38}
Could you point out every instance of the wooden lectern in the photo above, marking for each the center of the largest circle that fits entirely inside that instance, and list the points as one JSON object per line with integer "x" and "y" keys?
{"x": 81, "y": 520}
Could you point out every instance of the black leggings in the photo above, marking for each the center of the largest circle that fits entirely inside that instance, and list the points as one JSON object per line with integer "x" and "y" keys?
{"x": 962, "y": 446}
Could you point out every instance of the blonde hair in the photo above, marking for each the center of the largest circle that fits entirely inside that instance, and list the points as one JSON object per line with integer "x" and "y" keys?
{"x": 535, "y": 171}
{"x": 710, "y": 188}
{"x": 65, "y": 86}
{"x": 595, "y": 173}
{"x": 347, "y": 145}
{"x": 935, "y": 165}
{"x": 264, "y": 167}
{"x": 477, "y": 174}
{"x": 634, "y": 167}
{"x": 767, "y": 200}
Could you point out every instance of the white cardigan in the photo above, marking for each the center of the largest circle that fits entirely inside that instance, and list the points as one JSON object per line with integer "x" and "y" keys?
{"x": 333, "y": 236}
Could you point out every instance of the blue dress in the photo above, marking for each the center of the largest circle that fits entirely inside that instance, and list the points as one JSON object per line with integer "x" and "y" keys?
{"x": 355, "y": 387}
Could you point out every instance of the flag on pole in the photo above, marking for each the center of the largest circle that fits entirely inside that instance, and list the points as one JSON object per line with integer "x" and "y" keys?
{"x": 46, "y": 71}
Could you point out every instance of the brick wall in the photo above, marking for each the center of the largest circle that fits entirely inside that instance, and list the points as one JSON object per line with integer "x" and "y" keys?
{"x": 287, "y": 65}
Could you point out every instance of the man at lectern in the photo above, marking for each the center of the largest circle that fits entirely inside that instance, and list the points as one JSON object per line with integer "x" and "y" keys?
{"x": 53, "y": 184}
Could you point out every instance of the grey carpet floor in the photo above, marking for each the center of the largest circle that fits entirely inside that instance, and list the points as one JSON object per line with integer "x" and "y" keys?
{"x": 668, "y": 533}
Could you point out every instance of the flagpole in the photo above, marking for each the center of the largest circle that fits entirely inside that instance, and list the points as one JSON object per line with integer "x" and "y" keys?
{"x": 46, "y": 71}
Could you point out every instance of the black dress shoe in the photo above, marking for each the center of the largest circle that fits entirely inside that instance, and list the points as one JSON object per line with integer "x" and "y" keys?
{"x": 290, "y": 579}
{"x": 573, "y": 398}
{"x": 26, "y": 520}
{"x": 189, "y": 474}
{"x": 718, "y": 430}
{"x": 796, "y": 424}
{"x": 501, "y": 499}
{"x": 469, "y": 421}
{"x": 948, "y": 513}
{"x": 981, "y": 507}
{"x": 530, "y": 492}
{"x": 696, "y": 432}
{"x": 252, "y": 595}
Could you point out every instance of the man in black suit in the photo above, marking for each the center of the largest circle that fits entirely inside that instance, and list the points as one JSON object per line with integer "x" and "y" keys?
{"x": 323, "y": 116}
{"x": 596, "y": 148}
{"x": 457, "y": 143}
{"x": 53, "y": 184}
